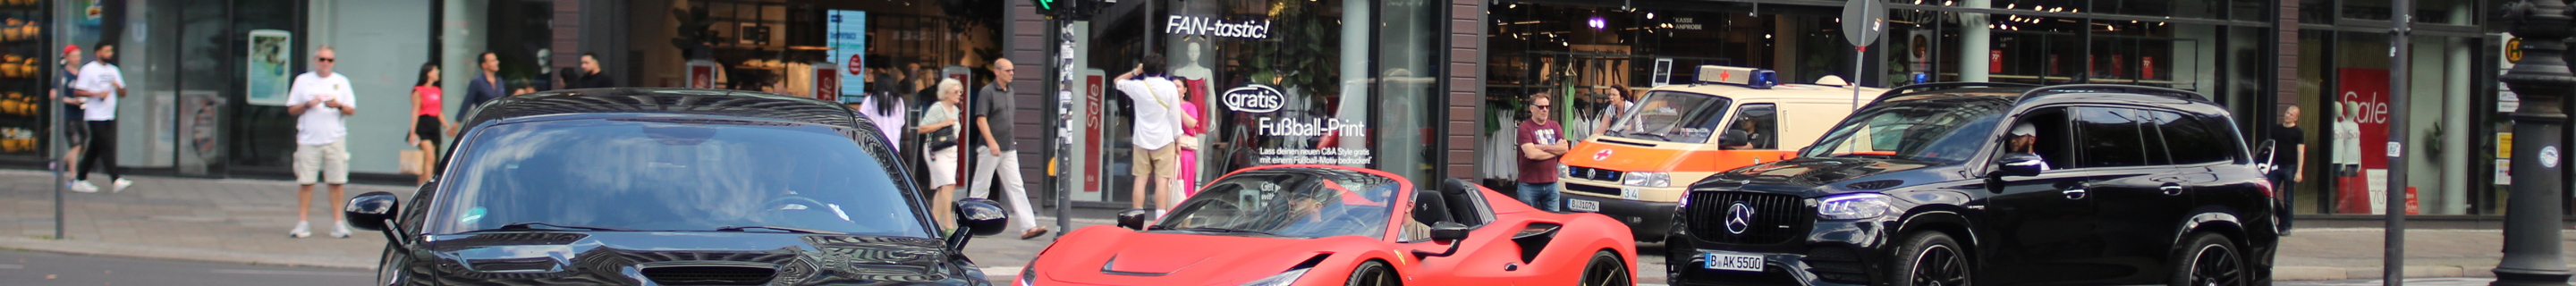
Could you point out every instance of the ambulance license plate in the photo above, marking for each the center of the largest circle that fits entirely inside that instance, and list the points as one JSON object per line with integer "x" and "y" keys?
{"x": 1583, "y": 205}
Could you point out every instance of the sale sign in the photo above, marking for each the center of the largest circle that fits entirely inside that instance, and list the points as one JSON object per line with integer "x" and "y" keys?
{"x": 2361, "y": 141}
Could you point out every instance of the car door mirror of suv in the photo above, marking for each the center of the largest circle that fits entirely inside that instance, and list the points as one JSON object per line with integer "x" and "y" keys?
{"x": 2268, "y": 154}
{"x": 977, "y": 217}
{"x": 981, "y": 217}
{"x": 375, "y": 211}
{"x": 2018, "y": 166}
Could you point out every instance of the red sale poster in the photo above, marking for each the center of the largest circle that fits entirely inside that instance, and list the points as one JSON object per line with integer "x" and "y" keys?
{"x": 2361, "y": 139}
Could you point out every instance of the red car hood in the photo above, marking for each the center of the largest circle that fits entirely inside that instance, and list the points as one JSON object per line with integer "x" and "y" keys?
{"x": 1115, "y": 256}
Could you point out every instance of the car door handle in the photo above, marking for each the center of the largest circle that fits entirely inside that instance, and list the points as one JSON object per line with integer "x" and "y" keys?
{"x": 2075, "y": 193}
{"x": 2171, "y": 189}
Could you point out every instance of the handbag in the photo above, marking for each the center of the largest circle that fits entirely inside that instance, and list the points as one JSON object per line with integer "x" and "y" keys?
{"x": 942, "y": 139}
{"x": 411, "y": 161}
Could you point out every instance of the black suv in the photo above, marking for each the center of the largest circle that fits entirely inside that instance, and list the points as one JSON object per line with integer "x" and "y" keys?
{"x": 670, "y": 187}
{"x": 1988, "y": 183}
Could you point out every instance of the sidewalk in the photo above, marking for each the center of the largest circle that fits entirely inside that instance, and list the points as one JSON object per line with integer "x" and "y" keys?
{"x": 246, "y": 220}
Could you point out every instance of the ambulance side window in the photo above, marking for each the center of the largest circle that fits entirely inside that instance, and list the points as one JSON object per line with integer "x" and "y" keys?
{"x": 1757, "y": 126}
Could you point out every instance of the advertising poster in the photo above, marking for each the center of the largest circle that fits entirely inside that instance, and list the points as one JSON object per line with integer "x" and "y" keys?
{"x": 2361, "y": 142}
{"x": 270, "y": 67}
{"x": 848, "y": 30}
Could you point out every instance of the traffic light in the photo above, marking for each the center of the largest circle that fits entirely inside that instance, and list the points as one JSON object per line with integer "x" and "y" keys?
{"x": 1054, "y": 7}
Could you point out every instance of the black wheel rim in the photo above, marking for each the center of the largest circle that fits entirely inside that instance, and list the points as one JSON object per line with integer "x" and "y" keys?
{"x": 2216, "y": 266}
{"x": 1939, "y": 265}
{"x": 1374, "y": 275}
{"x": 1606, "y": 271}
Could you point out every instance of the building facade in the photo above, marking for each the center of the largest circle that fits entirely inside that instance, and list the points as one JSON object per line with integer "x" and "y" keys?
{"x": 1421, "y": 88}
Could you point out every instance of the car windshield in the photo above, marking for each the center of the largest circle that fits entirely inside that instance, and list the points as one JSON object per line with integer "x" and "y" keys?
{"x": 1300, "y": 203}
{"x": 1942, "y": 130}
{"x": 673, "y": 175}
{"x": 1672, "y": 116}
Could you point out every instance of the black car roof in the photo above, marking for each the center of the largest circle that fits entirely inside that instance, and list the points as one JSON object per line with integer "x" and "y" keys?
{"x": 665, "y": 101}
{"x": 2027, "y": 95}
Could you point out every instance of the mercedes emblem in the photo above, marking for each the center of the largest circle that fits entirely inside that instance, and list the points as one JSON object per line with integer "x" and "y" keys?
{"x": 1739, "y": 218}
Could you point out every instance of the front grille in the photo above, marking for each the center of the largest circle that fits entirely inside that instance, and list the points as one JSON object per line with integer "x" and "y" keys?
{"x": 710, "y": 275}
{"x": 1606, "y": 191}
{"x": 1592, "y": 174}
{"x": 1776, "y": 218}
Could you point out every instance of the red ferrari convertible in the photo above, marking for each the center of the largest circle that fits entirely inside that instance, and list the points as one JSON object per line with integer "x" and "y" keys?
{"x": 1333, "y": 225}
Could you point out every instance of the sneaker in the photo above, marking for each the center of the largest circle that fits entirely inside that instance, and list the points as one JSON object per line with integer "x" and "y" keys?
{"x": 1033, "y": 233}
{"x": 340, "y": 230}
{"x": 121, "y": 184}
{"x": 84, "y": 186}
{"x": 302, "y": 229}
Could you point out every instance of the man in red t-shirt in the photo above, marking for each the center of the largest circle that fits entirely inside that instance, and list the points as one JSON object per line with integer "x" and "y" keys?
{"x": 1541, "y": 142}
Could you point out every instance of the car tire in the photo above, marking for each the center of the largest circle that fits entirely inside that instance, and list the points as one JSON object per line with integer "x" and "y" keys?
{"x": 1930, "y": 259}
{"x": 2209, "y": 259}
{"x": 1373, "y": 273}
{"x": 1606, "y": 269}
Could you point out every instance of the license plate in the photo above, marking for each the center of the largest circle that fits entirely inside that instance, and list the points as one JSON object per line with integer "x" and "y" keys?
{"x": 1730, "y": 261}
{"x": 1583, "y": 205}
{"x": 1628, "y": 193}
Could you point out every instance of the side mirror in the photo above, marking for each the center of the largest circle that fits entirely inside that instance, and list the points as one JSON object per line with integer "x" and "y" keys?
{"x": 371, "y": 211}
{"x": 980, "y": 217}
{"x": 1732, "y": 138}
{"x": 1445, "y": 231}
{"x": 2019, "y": 165}
{"x": 2265, "y": 154}
{"x": 1134, "y": 218}
{"x": 1449, "y": 231}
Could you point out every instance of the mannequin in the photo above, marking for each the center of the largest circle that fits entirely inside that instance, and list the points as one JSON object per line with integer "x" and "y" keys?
{"x": 1193, "y": 74}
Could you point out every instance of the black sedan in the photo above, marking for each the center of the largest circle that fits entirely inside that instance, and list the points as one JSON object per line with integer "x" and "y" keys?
{"x": 669, "y": 187}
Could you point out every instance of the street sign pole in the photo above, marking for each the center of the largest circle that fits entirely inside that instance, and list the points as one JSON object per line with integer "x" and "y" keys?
{"x": 2540, "y": 77}
{"x": 1863, "y": 22}
{"x": 2393, "y": 269}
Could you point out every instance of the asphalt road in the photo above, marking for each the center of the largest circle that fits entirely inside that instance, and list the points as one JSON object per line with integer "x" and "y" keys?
{"x": 45, "y": 268}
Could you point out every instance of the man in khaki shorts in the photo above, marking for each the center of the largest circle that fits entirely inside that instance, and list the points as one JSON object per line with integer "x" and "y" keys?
{"x": 1157, "y": 100}
{"x": 321, "y": 102}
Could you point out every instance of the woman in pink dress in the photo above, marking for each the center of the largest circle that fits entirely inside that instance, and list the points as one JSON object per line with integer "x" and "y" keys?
{"x": 1189, "y": 153}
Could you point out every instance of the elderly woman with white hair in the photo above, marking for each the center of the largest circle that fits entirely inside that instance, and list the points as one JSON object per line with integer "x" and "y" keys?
{"x": 939, "y": 133}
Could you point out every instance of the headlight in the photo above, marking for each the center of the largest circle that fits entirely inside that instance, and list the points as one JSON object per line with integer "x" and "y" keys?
{"x": 1029, "y": 275}
{"x": 1646, "y": 179}
{"x": 1279, "y": 280}
{"x": 1853, "y": 206}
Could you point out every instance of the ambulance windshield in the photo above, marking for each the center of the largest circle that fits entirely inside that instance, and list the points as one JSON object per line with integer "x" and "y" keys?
{"x": 1672, "y": 116}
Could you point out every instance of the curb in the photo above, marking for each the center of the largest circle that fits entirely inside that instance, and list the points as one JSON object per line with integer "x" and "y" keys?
{"x": 176, "y": 253}
{"x": 2309, "y": 273}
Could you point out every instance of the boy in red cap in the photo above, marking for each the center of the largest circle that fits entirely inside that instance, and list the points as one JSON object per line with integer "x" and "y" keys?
{"x": 75, "y": 131}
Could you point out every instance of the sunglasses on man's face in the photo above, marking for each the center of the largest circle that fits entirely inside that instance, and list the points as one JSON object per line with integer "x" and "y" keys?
{"x": 1544, "y": 106}
{"x": 326, "y": 60}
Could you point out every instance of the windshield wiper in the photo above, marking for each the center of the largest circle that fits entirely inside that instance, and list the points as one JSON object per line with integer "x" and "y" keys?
{"x": 532, "y": 226}
{"x": 777, "y": 228}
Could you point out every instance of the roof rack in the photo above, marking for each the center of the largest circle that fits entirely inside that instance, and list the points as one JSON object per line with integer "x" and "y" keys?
{"x": 1942, "y": 85}
{"x": 2113, "y": 88}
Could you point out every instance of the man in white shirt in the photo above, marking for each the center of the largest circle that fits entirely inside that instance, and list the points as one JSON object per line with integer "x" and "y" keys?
{"x": 102, "y": 84}
{"x": 1156, "y": 97}
{"x": 321, "y": 102}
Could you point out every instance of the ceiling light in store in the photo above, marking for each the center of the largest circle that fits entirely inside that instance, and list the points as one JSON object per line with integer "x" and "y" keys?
{"x": 1596, "y": 23}
{"x": 1514, "y": 5}
{"x": 1766, "y": 36}
{"x": 1650, "y": 15}
{"x": 2009, "y": 6}
{"x": 1946, "y": 2}
{"x": 2054, "y": 10}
